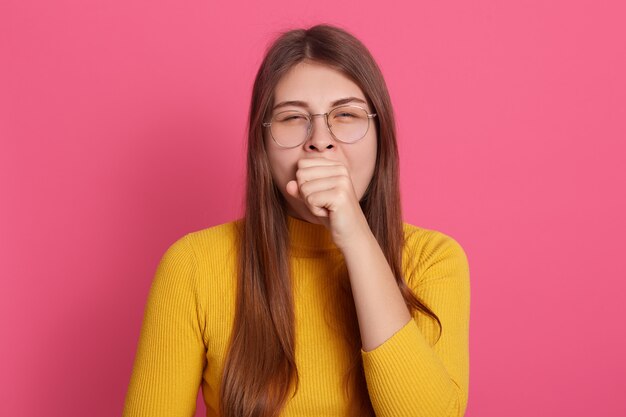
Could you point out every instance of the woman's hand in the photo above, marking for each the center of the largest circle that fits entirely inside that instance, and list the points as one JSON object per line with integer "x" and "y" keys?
{"x": 325, "y": 187}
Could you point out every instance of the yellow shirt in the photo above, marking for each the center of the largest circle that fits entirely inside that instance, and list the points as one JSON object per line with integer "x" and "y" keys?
{"x": 190, "y": 306}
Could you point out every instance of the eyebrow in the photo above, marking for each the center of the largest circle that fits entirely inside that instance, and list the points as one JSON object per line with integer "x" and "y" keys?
{"x": 304, "y": 104}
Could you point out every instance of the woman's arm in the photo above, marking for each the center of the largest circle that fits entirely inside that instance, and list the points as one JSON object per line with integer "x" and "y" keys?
{"x": 406, "y": 375}
{"x": 170, "y": 354}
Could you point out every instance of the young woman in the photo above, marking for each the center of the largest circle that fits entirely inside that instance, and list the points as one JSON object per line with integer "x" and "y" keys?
{"x": 320, "y": 301}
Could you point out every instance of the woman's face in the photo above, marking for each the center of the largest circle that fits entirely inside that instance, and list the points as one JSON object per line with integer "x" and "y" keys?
{"x": 318, "y": 86}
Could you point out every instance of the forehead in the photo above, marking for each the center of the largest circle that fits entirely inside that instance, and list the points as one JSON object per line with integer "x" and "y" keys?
{"x": 316, "y": 84}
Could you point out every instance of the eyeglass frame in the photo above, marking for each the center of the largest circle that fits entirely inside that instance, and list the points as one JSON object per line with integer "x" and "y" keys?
{"x": 310, "y": 120}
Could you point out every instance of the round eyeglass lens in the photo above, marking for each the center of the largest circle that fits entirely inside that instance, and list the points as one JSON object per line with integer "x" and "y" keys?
{"x": 290, "y": 128}
{"x": 348, "y": 124}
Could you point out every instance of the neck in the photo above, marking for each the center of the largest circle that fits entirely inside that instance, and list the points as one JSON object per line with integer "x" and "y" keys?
{"x": 309, "y": 239}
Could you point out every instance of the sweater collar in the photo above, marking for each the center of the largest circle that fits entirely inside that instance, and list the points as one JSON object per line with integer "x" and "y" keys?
{"x": 310, "y": 239}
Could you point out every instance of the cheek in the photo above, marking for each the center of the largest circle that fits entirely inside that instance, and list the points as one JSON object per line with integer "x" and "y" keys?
{"x": 369, "y": 156}
{"x": 282, "y": 168}
{"x": 363, "y": 163}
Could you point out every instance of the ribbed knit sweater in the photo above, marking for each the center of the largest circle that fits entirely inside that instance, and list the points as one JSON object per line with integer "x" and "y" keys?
{"x": 191, "y": 304}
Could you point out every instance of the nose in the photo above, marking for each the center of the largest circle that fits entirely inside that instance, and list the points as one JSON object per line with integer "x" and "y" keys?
{"x": 320, "y": 137}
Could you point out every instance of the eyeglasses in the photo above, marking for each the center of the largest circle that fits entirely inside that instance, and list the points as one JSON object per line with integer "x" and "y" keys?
{"x": 291, "y": 128}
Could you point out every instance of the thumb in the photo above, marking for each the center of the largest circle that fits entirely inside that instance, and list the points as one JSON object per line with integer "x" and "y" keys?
{"x": 292, "y": 188}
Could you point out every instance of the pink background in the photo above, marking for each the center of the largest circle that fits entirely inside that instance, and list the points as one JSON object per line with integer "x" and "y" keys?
{"x": 122, "y": 128}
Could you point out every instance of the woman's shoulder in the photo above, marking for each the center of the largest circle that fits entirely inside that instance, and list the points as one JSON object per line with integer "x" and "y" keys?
{"x": 218, "y": 232}
{"x": 426, "y": 247}
{"x": 201, "y": 265}
{"x": 213, "y": 238}
{"x": 415, "y": 234}
{"x": 211, "y": 243}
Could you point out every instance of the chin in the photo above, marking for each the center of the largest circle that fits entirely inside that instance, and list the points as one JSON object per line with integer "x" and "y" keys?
{"x": 301, "y": 212}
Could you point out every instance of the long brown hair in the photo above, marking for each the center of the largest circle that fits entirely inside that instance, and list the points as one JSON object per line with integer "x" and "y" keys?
{"x": 260, "y": 367}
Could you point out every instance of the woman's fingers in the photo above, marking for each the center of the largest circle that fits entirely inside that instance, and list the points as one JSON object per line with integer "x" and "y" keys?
{"x": 320, "y": 202}
{"x": 307, "y": 162}
{"x": 319, "y": 182}
{"x": 293, "y": 189}
{"x": 302, "y": 191}
{"x": 320, "y": 171}
{"x": 321, "y": 195}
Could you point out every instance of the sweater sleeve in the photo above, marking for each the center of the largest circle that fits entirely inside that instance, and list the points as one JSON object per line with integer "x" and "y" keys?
{"x": 170, "y": 355}
{"x": 408, "y": 376}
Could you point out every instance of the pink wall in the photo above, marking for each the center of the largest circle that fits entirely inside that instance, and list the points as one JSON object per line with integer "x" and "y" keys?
{"x": 122, "y": 128}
